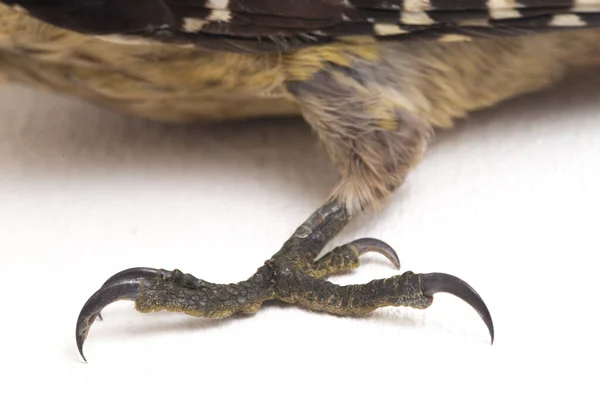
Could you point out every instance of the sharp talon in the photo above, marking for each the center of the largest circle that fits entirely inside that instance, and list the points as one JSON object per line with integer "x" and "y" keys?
{"x": 136, "y": 274}
{"x": 132, "y": 273}
{"x": 124, "y": 290}
{"x": 444, "y": 283}
{"x": 367, "y": 245}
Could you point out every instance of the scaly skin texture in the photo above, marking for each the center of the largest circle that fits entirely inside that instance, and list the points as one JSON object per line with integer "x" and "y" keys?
{"x": 292, "y": 276}
{"x": 338, "y": 260}
{"x": 184, "y": 293}
{"x": 321, "y": 295}
{"x": 187, "y": 294}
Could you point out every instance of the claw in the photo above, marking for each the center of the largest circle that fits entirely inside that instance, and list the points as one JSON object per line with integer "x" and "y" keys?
{"x": 444, "y": 283}
{"x": 124, "y": 285}
{"x": 137, "y": 273}
{"x": 366, "y": 245}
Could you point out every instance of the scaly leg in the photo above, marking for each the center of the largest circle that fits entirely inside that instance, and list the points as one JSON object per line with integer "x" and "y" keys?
{"x": 286, "y": 277}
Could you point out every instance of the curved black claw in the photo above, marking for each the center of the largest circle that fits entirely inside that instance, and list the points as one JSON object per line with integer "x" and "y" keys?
{"x": 124, "y": 285}
{"x": 444, "y": 283}
{"x": 367, "y": 245}
{"x": 137, "y": 273}
{"x": 134, "y": 273}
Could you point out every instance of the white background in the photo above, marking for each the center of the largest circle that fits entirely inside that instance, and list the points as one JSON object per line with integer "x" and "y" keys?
{"x": 508, "y": 201}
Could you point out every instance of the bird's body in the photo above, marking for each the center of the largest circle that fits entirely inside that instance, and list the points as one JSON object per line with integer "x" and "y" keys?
{"x": 155, "y": 81}
{"x": 183, "y": 83}
{"x": 373, "y": 103}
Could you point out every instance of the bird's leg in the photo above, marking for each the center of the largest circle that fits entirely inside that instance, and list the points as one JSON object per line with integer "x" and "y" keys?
{"x": 372, "y": 133}
{"x": 290, "y": 276}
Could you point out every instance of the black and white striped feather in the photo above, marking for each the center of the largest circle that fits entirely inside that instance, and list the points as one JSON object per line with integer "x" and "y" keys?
{"x": 280, "y": 25}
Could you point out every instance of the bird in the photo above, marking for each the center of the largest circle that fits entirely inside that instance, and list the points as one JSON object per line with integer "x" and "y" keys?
{"x": 374, "y": 79}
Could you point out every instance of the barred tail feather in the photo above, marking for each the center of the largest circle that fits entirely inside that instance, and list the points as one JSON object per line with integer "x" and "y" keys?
{"x": 284, "y": 25}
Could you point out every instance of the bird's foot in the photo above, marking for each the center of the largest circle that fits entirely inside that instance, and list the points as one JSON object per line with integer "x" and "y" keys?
{"x": 293, "y": 275}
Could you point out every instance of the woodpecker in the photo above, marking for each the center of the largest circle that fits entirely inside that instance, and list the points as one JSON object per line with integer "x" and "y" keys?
{"x": 373, "y": 78}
